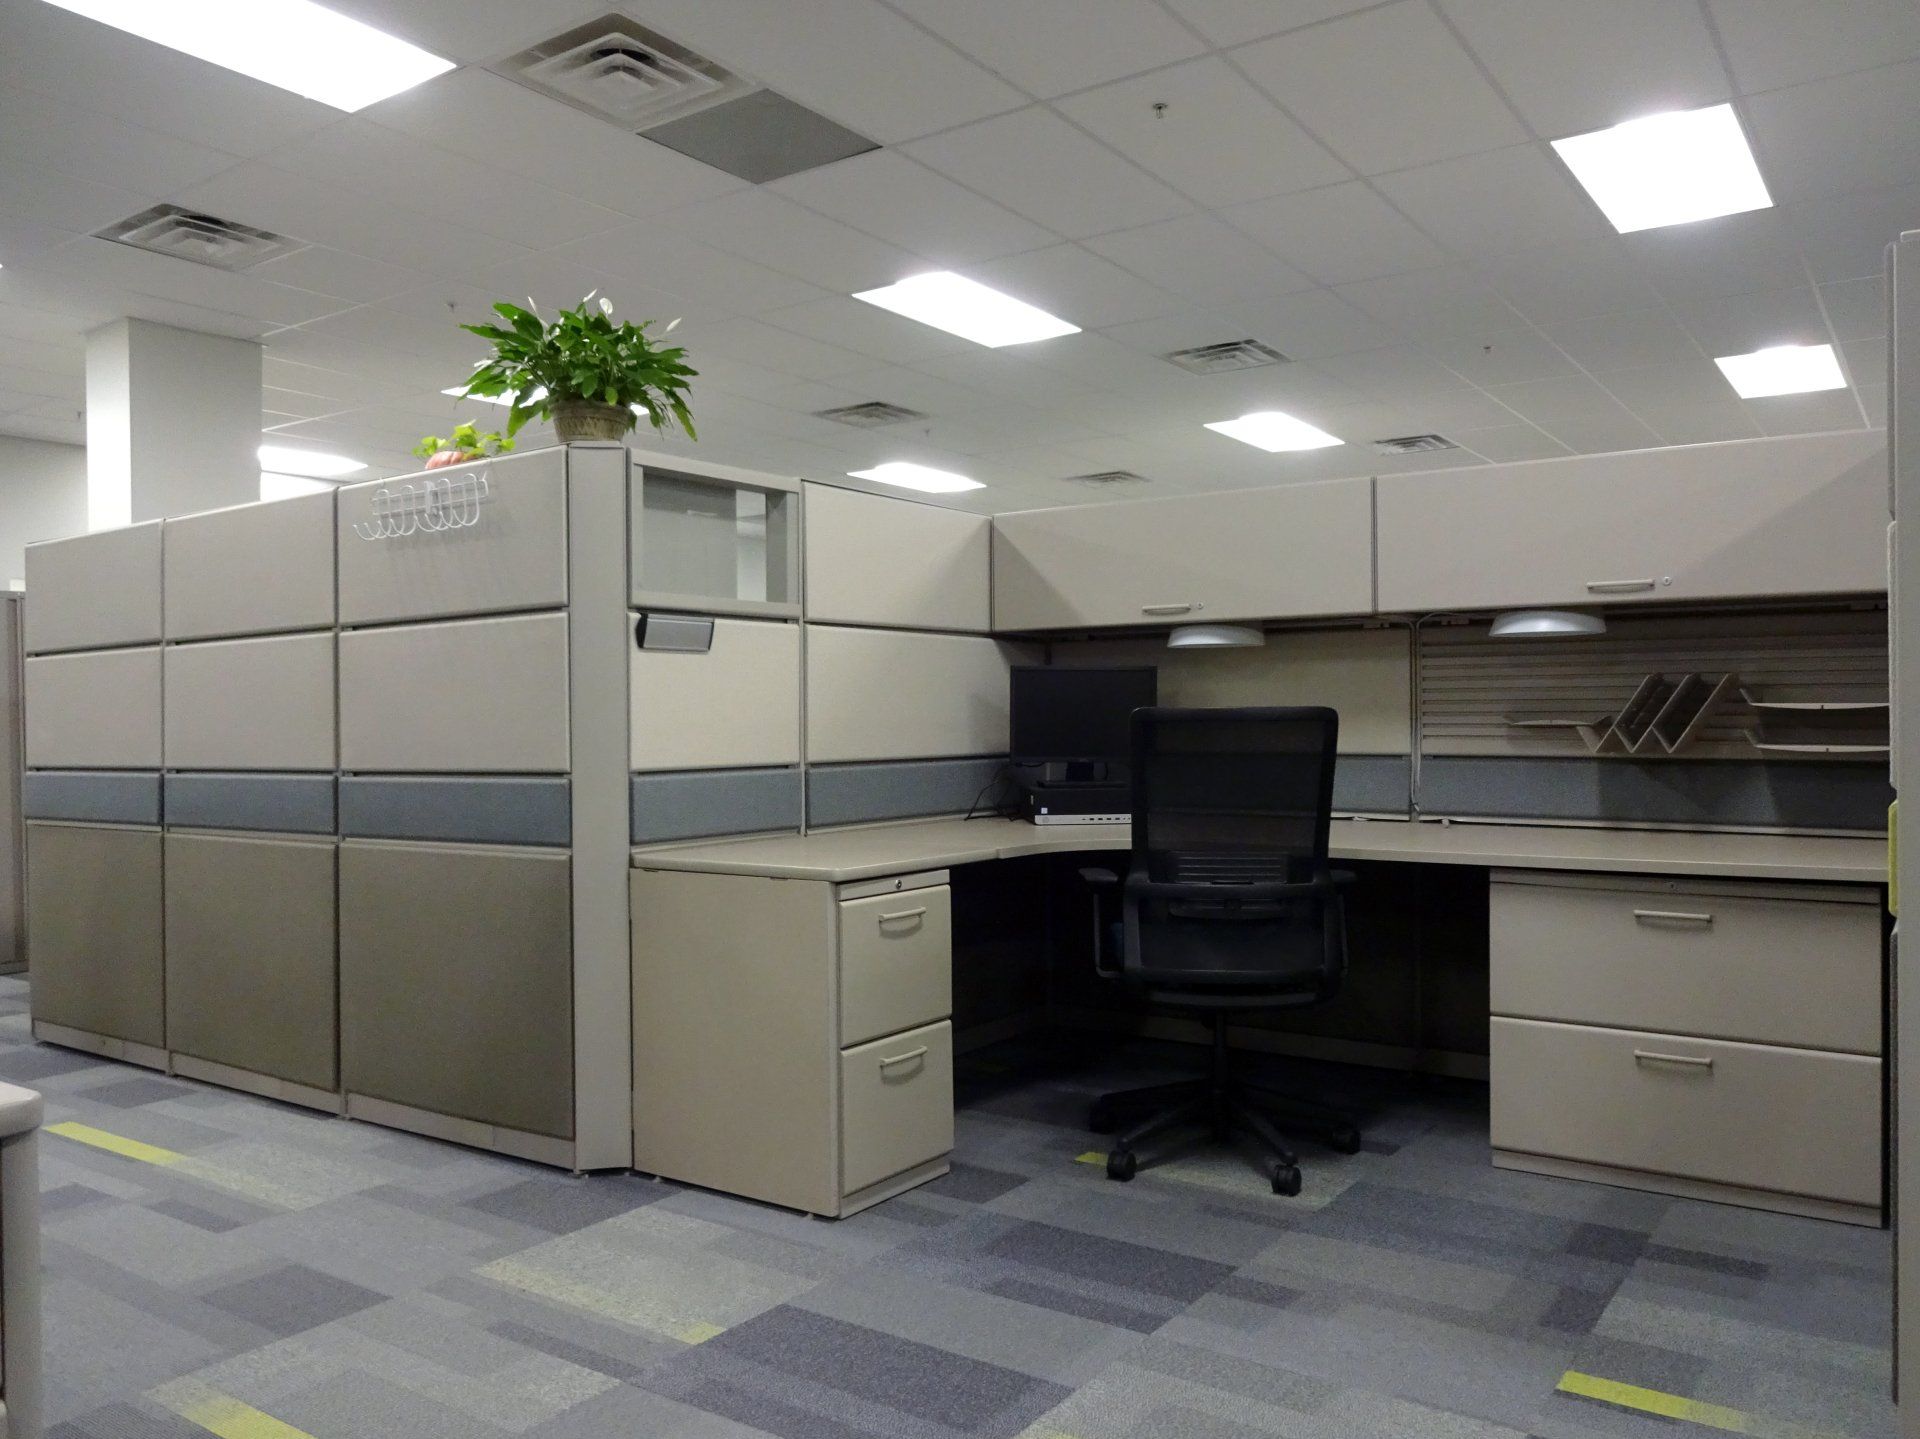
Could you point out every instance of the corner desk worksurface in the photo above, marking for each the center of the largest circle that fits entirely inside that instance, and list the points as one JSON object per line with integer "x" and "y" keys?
{"x": 1699, "y": 1014}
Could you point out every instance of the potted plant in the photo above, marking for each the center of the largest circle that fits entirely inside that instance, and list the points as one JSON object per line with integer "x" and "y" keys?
{"x": 464, "y": 444}
{"x": 593, "y": 377}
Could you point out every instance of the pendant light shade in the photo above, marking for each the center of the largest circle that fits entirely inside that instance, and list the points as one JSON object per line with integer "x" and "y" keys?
{"x": 1546, "y": 624}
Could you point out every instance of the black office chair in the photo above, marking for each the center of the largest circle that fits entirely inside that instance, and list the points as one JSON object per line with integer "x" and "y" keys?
{"x": 1228, "y": 907}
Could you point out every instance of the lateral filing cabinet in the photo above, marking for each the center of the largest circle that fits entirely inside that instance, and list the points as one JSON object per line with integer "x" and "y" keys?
{"x": 1714, "y": 1039}
{"x": 751, "y": 1096}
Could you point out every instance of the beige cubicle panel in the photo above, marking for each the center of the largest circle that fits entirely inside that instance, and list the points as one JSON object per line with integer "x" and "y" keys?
{"x": 96, "y": 710}
{"x": 462, "y": 697}
{"x": 94, "y": 591}
{"x": 395, "y": 565}
{"x": 1291, "y": 551}
{"x": 900, "y": 694}
{"x": 94, "y": 895}
{"x": 1803, "y": 515}
{"x": 456, "y": 982}
{"x": 250, "y": 973}
{"x": 249, "y": 570}
{"x": 872, "y": 560}
{"x": 251, "y": 704}
{"x": 735, "y": 705}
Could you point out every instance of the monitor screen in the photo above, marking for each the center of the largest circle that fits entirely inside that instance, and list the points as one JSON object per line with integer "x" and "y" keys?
{"x": 1077, "y": 714}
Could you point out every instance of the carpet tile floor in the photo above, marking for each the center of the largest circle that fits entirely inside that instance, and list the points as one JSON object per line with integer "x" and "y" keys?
{"x": 218, "y": 1264}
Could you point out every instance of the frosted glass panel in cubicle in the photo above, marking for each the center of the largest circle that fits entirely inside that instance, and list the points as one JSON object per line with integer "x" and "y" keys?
{"x": 94, "y": 590}
{"x": 736, "y": 705}
{"x": 251, "y": 704}
{"x": 719, "y": 543}
{"x": 98, "y": 710}
{"x": 253, "y": 569}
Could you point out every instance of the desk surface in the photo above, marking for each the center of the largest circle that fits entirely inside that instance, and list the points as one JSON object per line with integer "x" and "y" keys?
{"x": 872, "y": 851}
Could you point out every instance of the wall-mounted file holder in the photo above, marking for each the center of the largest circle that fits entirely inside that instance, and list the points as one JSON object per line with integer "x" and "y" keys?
{"x": 1829, "y": 727}
{"x": 1663, "y": 716}
{"x": 427, "y": 506}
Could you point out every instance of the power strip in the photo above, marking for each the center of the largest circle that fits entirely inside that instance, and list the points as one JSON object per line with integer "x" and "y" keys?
{"x": 1044, "y": 818}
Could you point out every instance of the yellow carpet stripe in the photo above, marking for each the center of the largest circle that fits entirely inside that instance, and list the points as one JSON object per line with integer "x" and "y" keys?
{"x": 222, "y": 1414}
{"x": 1678, "y": 1406}
{"x": 115, "y": 1143}
{"x": 1092, "y": 1156}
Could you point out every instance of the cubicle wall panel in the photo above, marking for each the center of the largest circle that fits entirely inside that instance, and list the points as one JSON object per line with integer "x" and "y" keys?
{"x": 471, "y": 696}
{"x": 901, "y": 789}
{"x": 881, "y": 694}
{"x": 736, "y": 705}
{"x": 489, "y": 809}
{"x": 250, "y": 969}
{"x": 872, "y": 560}
{"x": 284, "y": 803}
{"x": 456, "y": 982}
{"x": 265, "y": 704}
{"x": 94, "y": 930}
{"x": 512, "y": 557}
{"x": 697, "y": 803}
{"x": 93, "y": 591}
{"x": 99, "y": 796}
{"x": 99, "y": 710}
{"x": 253, "y": 569}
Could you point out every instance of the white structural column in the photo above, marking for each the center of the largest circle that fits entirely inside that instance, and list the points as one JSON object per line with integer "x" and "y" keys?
{"x": 173, "y": 422}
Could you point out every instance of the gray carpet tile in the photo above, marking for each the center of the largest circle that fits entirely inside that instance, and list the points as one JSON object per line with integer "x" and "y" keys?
{"x": 350, "y": 1282}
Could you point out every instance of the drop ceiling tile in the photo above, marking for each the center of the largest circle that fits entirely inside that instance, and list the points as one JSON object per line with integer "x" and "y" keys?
{"x": 63, "y": 431}
{"x": 865, "y": 330}
{"x": 1486, "y": 204}
{"x": 1446, "y": 411}
{"x": 1570, "y": 65}
{"x": 48, "y": 198}
{"x": 1499, "y": 359}
{"x": 854, "y": 61}
{"x": 1699, "y": 424}
{"x": 1873, "y": 403}
{"x": 1234, "y": 22}
{"x": 1186, "y": 329}
{"x": 1386, "y": 89}
{"x": 1732, "y": 255}
{"x": 438, "y": 342}
{"x": 1845, "y": 237}
{"x": 759, "y": 225}
{"x": 1735, "y": 324}
{"x": 99, "y": 265}
{"x": 1819, "y": 139}
{"x": 1573, "y": 282}
{"x": 1865, "y": 361}
{"x": 1094, "y": 361}
{"x": 915, "y": 389}
{"x": 1506, "y": 444}
{"x": 1218, "y": 140}
{"x": 1310, "y": 324}
{"x": 1626, "y": 340}
{"x": 1201, "y": 259}
{"x": 1395, "y": 374}
{"x": 471, "y": 30}
{"x": 1774, "y": 43}
{"x": 347, "y": 389}
{"x": 1077, "y": 285}
{"x": 84, "y": 144}
{"x": 796, "y": 356}
{"x": 901, "y": 201}
{"x": 21, "y": 240}
{"x": 1856, "y": 309}
{"x": 326, "y": 271}
{"x": 1007, "y": 376}
{"x": 1338, "y": 233}
{"x": 1605, "y": 434}
{"x": 1038, "y": 165}
{"x": 36, "y": 385}
{"x": 1048, "y": 47}
{"x": 1808, "y": 414}
{"x": 1681, "y": 385}
{"x": 1553, "y": 403}
{"x": 1451, "y": 300}
{"x": 656, "y": 258}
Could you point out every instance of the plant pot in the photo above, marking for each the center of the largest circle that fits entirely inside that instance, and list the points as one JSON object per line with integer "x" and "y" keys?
{"x": 441, "y": 459}
{"x": 589, "y": 420}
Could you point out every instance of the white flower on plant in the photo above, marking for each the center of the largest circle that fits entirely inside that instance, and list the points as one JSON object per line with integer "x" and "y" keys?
{"x": 672, "y": 325}
{"x": 606, "y": 305}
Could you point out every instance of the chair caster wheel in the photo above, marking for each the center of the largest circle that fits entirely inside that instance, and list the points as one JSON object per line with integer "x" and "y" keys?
{"x": 1101, "y": 1118}
{"x": 1122, "y": 1165}
{"x": 1286, "y": 1179}
{"x": 1345, "y": 1140}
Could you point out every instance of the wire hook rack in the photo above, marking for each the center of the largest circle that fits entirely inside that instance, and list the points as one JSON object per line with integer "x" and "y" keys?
{"x": 425, "y": 506}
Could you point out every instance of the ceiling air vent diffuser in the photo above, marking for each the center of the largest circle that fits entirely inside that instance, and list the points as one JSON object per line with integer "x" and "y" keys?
{"x": 624, "y": 73}
{"x": 870, "y": 415}
{"x": 1108, "y": 477}
{"x": 1414, "y": 444}
{"x": 1227, "y": 356}
{"x": 203, "y": 239}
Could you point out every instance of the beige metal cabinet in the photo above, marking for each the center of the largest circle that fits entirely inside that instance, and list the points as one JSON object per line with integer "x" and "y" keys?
{"x": 890, "y": 694}
{"x": 456, "y": 982}
{"x": 896, "y": 962}
{"x": 1776, "y": 964}
{"x": 251, "y": 704}
{"x": 1761, "y": 1117}
{"x": 98, "y": 710}
{"x": 94, "y": 590}
{"x": 1292, "y": 551}
{"x": 512, "y": 557}
{"x": 471, "y": 696}
{"x": 253, "y": 569}
{"x": 250, "y": 955}
{"x": 896, "y": 1105}
{"x": 738, "y": 704}
{"x": 94, "y": 931}
{"x": 871, "y": 560}
{"x": 1805, "y": 515}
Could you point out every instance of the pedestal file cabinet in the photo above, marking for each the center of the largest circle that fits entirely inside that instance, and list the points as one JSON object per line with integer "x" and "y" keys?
{"x": 250, "y": 961}
{"x": 456, "y": 987}
{"x": 95, "y": 938}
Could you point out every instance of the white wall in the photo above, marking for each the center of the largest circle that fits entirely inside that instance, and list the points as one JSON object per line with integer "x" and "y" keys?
{"x": 43, "y": 496}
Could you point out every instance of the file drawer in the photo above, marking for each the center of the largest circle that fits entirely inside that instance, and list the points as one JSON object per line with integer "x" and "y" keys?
{"x": 896, "y": 962}
{"x": 1791, "y": 1120}
{"x": 896, "y": 1105}
{"x": 1731, "y": 961}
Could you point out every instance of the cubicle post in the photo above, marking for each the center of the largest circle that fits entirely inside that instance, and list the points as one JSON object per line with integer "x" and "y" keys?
{"x": 20, "y": 1342}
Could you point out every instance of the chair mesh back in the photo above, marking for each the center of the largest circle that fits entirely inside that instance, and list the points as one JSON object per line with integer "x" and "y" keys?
{"x": 1232, "y": 795}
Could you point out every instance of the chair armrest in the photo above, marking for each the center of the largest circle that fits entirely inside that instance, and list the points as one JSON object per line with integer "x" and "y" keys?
{"x": 1101, "y": 882}
{"x": 1099, "y": 878}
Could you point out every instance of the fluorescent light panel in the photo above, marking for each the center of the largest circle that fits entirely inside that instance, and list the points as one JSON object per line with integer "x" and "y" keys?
{"x": 1668, "y": 169}
{"x": 285, "y": 487}
{"x": 969, "y": 309}
{"x": 294, "y": 44}
{"x": 315, "y": 463}
{"x": 1782, "y": 370}
{"x": 905, "y": 475}
{"x": 1274, "y": 431}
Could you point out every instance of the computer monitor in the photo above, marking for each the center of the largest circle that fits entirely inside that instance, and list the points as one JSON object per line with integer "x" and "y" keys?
{"x": 1077, "y": 719}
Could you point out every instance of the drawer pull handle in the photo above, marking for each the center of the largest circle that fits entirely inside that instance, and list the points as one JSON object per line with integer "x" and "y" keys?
{"x": 1618, "y": 587}
{"x": 889, "y": 1061}
{"x": 900, "y": 914}
{"x": 1671, "y": 916}
{"x": 1165, "y": 609}
{"x": 1691, "y": 1061}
